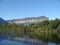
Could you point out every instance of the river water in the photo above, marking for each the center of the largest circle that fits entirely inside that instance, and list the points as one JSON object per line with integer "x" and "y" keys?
{"x": 10, "y": 42}
{"x": 5, "y": 41}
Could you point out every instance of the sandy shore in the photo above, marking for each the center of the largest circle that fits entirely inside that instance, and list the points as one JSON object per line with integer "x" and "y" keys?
{"x": 30, "y": 40}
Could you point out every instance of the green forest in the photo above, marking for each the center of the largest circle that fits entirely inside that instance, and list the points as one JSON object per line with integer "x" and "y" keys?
{"x": 47, "y": 31}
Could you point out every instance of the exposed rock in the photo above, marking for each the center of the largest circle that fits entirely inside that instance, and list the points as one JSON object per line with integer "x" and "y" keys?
{"x": 28, "y": 20}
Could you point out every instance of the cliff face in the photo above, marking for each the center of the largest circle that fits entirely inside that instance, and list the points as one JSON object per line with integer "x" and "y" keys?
{"x": 28, "y": 20}
{"x": 24, "y": 20}
{"x": 2, "y": 21}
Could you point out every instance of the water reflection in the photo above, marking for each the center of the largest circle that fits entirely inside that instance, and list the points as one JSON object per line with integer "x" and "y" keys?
{"x": 52, "y": 43}
{"x": 9, "y": 42}
{"x": 4, "y": 41}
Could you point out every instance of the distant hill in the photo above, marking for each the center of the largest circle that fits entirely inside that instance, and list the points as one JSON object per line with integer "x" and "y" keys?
{"x": 2, "y": 21}
{"x": 28, "y": 20}
{"x": 24, "y": 20}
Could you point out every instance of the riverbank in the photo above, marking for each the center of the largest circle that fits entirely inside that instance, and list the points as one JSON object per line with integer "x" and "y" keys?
{"x": 30, "y": 40}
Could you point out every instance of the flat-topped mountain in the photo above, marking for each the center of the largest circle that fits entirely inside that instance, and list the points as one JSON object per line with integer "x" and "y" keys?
{"x": 24, "y": 20}
{"x": 28, "y": 20}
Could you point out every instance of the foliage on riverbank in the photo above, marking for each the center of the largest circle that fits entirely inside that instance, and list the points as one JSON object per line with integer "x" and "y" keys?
{"x": 45, "y": 31}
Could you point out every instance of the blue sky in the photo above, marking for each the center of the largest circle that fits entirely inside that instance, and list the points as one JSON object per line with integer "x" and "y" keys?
{"x": 16, "y": 9}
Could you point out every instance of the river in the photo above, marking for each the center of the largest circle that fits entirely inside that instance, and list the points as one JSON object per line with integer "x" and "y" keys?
{"x": 12, "y": 42}
{"x": 4, "y": 41}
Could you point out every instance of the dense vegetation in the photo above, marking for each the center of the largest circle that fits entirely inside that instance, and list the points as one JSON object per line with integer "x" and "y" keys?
{"x": 45, "y": 31}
